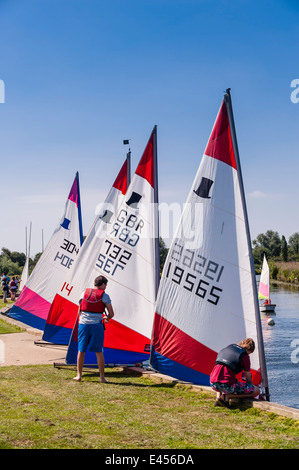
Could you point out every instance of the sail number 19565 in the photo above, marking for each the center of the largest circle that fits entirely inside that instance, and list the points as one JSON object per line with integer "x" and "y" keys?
{"x": 194, "y": 272}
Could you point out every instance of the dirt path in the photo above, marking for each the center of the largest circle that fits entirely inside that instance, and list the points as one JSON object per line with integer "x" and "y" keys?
{"x": 23, "y": 348}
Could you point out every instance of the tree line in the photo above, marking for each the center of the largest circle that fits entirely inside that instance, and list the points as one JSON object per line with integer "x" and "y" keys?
{"x": 12, "y": 262}
{"x": 275, "y": 248}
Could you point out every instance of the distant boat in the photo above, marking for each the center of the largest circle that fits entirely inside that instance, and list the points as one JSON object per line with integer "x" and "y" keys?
{"x": 264, "y": 289}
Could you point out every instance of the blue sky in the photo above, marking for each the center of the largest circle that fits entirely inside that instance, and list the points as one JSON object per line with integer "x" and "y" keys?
{"x": 82, "y": 75}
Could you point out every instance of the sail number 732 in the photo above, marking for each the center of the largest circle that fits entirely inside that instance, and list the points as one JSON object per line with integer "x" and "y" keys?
{"x": 195, "y": 273}
{"x": 113, "y": 258}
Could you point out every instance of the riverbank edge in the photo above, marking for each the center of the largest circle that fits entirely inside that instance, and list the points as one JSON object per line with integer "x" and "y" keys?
{"x": 284, "y": 283}
{"x": 266, "y": 406}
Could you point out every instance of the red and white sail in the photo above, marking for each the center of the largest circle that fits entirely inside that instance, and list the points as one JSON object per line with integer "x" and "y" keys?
{"x": 129, "y": 258}
{"x": 207, "y": 298}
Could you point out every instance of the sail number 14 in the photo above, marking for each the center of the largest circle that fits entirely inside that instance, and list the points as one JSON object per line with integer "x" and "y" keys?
{"x": 186, "y": 265}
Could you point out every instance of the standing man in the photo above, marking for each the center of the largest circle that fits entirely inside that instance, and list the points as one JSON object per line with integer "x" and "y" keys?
{"x": 91, "y": 324}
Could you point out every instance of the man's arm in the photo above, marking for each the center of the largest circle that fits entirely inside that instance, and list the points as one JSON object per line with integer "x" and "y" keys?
{"x": 110, "y": 311}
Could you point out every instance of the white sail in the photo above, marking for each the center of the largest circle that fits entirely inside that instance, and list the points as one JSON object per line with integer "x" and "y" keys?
{"x": 128, "y": 257}
{"x": 264, "y": 285}
{"x": 34, "y": 302}
{"x": 25, "y": 272}
{"x": 64, "y": 308}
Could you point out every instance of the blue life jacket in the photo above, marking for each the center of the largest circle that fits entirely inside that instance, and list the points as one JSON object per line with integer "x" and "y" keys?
{"x": 231, "y": 357}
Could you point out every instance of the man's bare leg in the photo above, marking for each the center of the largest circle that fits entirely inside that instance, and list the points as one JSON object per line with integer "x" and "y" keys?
{"x": 80, "y": 363}
{"x": 101, "y": 365}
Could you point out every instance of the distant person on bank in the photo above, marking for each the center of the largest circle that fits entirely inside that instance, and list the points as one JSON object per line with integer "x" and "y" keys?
{"x": 231, "y": 361}
{"x": 91, "y": 324}
{"x": 5, "y": 287}
{"x": 13, "y": 288}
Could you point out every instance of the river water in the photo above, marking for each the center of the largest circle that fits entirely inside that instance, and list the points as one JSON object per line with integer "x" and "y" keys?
{"x": 281, "y": 343}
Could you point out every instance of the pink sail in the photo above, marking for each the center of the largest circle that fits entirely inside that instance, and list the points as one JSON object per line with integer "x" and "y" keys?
{"x": 264, "y": 285}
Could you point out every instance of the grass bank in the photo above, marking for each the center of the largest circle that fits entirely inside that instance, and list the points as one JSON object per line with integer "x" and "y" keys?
{"x": 8, "y": 303}
{"x": 287, "y": 272}
{"x": 42, "y": 407}
{"x": 8, "y": 328}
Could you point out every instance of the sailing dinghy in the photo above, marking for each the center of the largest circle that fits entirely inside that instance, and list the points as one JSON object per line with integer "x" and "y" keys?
{"x": 34, "y": 302}
{"x": 125, "y": 251}
{"x": 207, "y": 297}
{"x": 264, "y": 289}
{"x": 129, "y": 258}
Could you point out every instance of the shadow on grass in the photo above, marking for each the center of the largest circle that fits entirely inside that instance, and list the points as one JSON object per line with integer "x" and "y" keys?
{"x": 120, "y": 374}
{"x": 93, "y": 373}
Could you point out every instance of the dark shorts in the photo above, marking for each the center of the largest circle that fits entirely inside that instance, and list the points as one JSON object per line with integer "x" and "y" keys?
{"x": 239, "y": 388}
{"x": 91, "y": 335}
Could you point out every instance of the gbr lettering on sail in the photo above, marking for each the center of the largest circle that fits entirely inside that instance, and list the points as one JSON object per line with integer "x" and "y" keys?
{"x": 127, "y": 229}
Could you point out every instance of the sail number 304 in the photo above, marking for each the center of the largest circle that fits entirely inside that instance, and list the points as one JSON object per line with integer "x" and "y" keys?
{"x": 64, "y": 259}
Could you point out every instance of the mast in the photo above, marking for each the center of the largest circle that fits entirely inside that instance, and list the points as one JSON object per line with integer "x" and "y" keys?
{"x": 128, "y": 168}
{"x": 156, "y": 204}
{"x": 268, "y": 279}
{"x": 79, "y": 210}
{"x": 262, "y": 358}
{"x": 29, "y": 245}
{"x": 127, "y": 142}
{"x": 26, "y": 242}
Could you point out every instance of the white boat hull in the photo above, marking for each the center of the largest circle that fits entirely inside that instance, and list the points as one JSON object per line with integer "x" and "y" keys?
{"x": 267, "y": 308}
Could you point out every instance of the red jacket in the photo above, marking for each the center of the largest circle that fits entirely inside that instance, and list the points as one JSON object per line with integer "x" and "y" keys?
{"x": 92, "y": 301}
